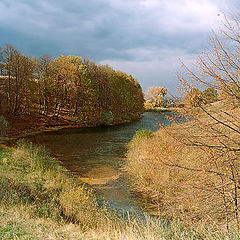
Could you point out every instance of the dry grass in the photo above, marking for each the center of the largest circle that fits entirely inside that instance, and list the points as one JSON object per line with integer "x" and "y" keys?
{"x": 38, "y": 200}
{"x": 20, "y": 223}
{"x": 180, "y": 168}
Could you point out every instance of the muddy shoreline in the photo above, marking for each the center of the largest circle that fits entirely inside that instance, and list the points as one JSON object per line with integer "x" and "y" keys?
{"x": 31, "y": 124}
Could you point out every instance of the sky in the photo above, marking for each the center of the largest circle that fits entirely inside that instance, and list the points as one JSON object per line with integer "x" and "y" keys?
{"x": 144, "y": 38}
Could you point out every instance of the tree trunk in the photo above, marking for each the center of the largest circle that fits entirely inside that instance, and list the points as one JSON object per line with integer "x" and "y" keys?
{"x": 55, "y": 110}
{"x": 45, "y": 108}
{"x": 76, "y": 108}
{"x": 9, "y": 92}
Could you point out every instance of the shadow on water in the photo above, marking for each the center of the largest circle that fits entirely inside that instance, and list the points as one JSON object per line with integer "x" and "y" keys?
{"x": 97, "y": 155}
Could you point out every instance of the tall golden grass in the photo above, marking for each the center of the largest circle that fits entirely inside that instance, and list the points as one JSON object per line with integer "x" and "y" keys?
{"x": 190, "y": 170}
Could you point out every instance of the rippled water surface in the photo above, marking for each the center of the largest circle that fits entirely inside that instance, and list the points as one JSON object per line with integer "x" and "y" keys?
{"x": 96, "y": 155}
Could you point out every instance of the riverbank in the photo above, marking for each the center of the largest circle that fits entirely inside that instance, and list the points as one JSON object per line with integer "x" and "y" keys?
{"x": 183, "y": 168}
{"x": 179, "y": 110}
{"x": 32, "y": 123}
{"x": 40, "y": 200}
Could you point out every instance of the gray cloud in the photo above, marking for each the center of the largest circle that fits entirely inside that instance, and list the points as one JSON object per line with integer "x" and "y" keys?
{"x": 141, "y": 37}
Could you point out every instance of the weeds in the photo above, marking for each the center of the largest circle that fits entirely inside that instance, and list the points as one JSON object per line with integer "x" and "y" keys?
{"x": 143, "y": 133}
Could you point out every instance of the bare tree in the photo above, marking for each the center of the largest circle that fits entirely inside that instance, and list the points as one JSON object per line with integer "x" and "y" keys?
{"x": 217, "y": 130}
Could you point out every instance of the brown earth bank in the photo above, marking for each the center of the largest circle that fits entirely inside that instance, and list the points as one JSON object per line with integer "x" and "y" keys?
{"x": 27, "y": 123}
{"x": 34, "y": 122}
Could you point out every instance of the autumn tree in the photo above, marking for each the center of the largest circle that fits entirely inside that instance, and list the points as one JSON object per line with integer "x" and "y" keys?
{"x": 19, "y": 71}
{"x": 68, "y": 86}
{"x": 155, "y": 95}
{"x": 44, "y": 85}
{"x": 194, "y": 98}
{"x": 7, "y": 57}
{"x": 192, "y": 170}
{"x": 23, "y": 76}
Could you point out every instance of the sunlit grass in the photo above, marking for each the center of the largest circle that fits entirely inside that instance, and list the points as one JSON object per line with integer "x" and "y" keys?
{"x": 28, "y": 176}
{"x": 40, "y": 200}
{"x": 176, "y": 169}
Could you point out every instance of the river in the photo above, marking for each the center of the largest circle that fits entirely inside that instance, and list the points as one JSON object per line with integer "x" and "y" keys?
{"x": 96, "y": 156}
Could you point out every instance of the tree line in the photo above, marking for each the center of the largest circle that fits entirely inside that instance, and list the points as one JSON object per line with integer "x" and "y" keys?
{"x": 67, "y": 85}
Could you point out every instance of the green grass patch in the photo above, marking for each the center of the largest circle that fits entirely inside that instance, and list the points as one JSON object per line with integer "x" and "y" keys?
{"x": 159, "y": 110}
{"x": 143, "y": 133}
{"x": 14, "y": 230}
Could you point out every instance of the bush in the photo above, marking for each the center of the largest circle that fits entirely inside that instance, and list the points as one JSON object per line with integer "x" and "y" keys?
{"x": 4, "y": 125}
{"x": 106, "y": 117}
{"x": 210, "y": 95}
{"x": 143, "y": 133}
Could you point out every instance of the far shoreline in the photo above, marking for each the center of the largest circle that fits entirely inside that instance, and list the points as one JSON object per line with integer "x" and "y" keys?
{"x": 20, "y": 127}
{"x": 163, "y": 110}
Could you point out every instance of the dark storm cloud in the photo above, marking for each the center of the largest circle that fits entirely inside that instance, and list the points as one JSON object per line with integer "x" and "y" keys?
{"x": 141, "y": 37}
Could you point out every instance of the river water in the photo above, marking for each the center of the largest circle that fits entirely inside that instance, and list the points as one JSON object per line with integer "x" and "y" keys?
{"x": 97, "y": 155}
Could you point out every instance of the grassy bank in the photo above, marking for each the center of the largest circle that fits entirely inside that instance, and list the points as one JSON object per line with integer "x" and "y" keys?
{"x": 40, "y": 200}
{"x": 35, "y": 184}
